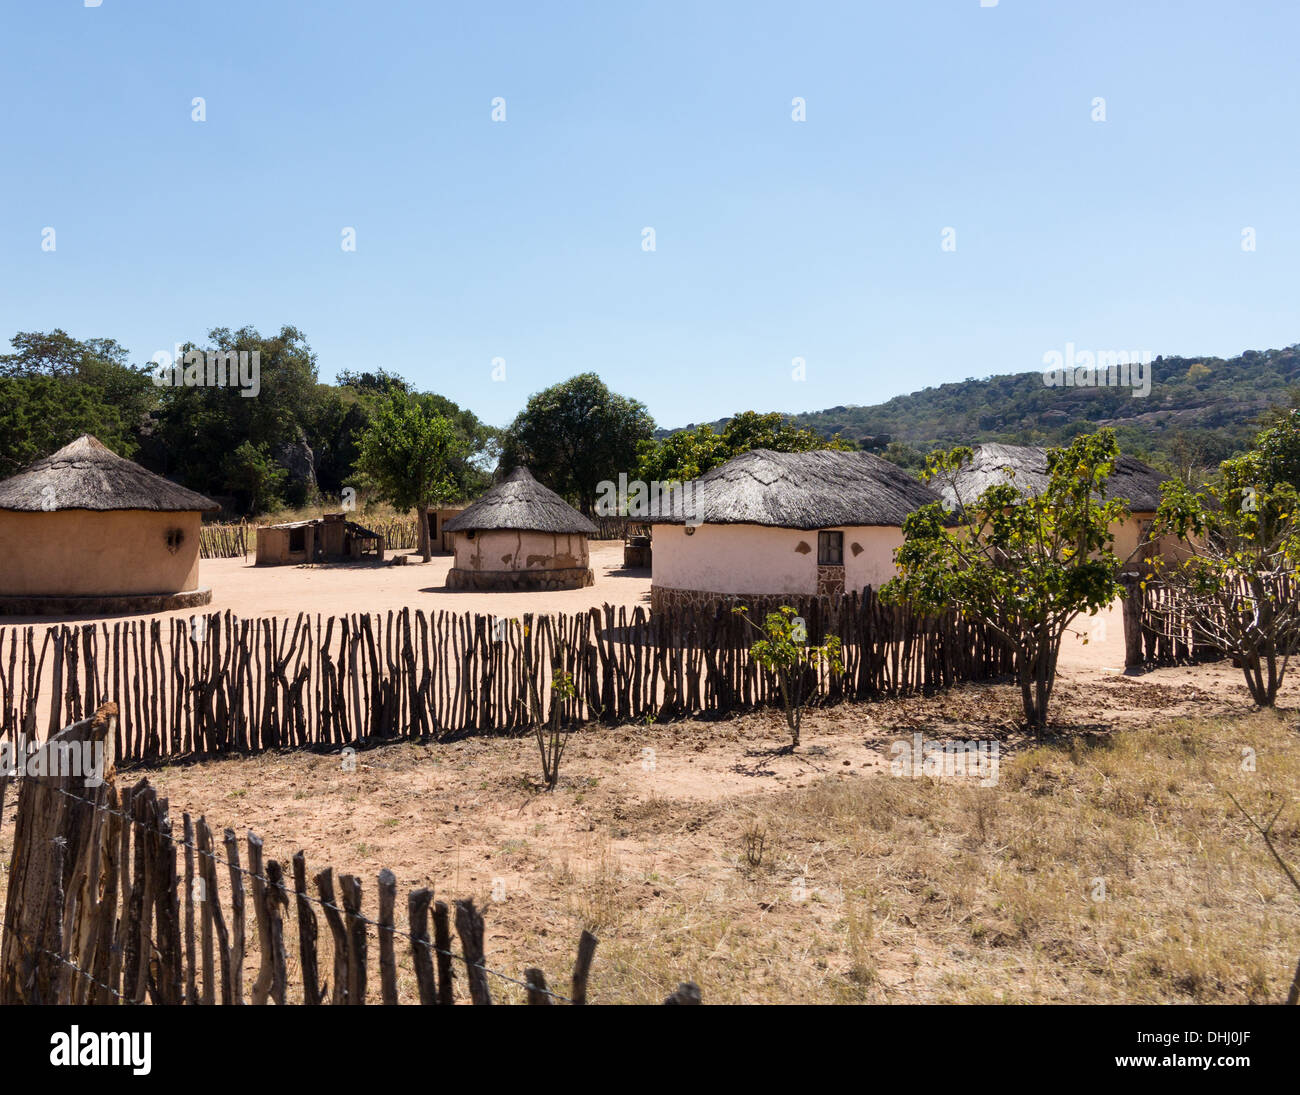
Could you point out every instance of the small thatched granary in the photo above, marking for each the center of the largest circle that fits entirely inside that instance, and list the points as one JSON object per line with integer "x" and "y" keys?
{"x": 771, "y": 524}
{"x": 329, "y": 538}
{"x": 519, "y": 536}
{"x": 86, "y": 530}
{"x": 1133, "y": 481}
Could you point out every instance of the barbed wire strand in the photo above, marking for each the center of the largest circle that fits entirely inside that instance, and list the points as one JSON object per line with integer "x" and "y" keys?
{"x": 393, "y": 929}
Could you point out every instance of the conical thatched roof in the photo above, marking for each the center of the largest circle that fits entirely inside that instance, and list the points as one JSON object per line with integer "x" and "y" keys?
{"x": 801, "y": 490}
{"x": 1133, "y": 480}
{"x": 520, "y": 502}
{"x": 86, "y": 475}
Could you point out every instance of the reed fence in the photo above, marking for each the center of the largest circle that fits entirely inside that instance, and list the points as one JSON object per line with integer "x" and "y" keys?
{"x": 218, "y": 684}
{"x": 224, "y": 541}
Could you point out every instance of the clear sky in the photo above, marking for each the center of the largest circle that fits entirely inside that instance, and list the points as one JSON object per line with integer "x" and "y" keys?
{"x": 774, "y": 239}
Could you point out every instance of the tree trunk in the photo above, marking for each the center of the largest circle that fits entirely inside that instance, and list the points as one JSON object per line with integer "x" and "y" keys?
{"x": 1036, "y": 672}
{"x": 424, "y": 547}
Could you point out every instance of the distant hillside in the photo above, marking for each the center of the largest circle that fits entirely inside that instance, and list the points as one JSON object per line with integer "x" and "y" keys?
{"x": 1201, "y": 409}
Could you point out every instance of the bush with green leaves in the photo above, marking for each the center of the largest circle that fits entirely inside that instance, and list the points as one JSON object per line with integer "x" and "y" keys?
{"x": 551, "y": 735}
{"x": 1024, "y": 564}
{"x": 784, "y": 651}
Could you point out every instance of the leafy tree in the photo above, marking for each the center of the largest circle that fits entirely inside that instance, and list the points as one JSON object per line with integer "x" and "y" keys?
{"x": 336, "y": 420}
{"x": 574, "y": 435}
{"x": 904, "y": 455}
{"x": 681, "y": 456}
{"x": 1024, "y": 565}
{"x": 783, "y": 649}
{"x": 688, "y": 454}
{"x": 1275, "y": 458}
{"x": 53, "y": 388}
{"x": 1237, "y": 581}
{"x": 250, "y": 473}
{"x": 380, "y": 382}
{"x": 751, "y": 430}
{"x": 408, "y": 452}
{"x": 197, "y": 426}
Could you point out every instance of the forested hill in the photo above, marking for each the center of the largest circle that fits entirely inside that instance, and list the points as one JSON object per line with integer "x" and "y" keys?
{"x": 1203, "y": 408}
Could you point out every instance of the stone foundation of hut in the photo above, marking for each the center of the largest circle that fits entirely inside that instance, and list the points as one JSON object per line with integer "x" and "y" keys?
{"x": 123, "y": 605}
{"x": 521, "y": 581}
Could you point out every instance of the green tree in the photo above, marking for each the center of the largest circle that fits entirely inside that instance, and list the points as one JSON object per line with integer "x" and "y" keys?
{"x": 1275, "y": 457}
{"x": 681, "y": 456}
{"x": 197, "y": 426}
{"x": 574, "y": 435}
{"x": 251, "y": 474}
{"x": 53, "y": 388}
{"x": 1236, "y": 577}
{"x": 1025, "y": 565}
{"x": 408, "y": 452}
{"x": 688, "y": 454}
{"x": 751, "y": 430}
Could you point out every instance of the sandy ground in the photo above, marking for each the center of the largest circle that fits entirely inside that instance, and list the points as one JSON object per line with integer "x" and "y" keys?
{"x": 341, "y": 588}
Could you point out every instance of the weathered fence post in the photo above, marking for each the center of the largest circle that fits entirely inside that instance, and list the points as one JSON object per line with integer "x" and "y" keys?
{"x": 1133, "y": 605}
{"x": 57, "y": 805}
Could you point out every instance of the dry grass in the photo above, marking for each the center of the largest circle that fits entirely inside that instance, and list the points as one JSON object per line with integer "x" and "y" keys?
{"x": 1106, "y": 872}
{"x": 1109, "y": 866}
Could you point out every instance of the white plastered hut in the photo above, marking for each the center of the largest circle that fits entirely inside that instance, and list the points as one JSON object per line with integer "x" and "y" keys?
{"x": 86, "y": 530}
{"x": 519, "y": 536}
{"x": 1025, "y": 468}
{"x": 771, "y": 524}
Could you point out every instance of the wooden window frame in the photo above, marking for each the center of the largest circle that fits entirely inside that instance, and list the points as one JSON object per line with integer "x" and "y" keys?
{"x": 830, "y": 548}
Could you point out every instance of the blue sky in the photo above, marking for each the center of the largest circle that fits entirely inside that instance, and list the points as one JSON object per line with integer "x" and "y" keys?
{"x": 774, "y": 239}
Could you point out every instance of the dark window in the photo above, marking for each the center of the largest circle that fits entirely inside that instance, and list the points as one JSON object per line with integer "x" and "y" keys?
{"x": 297, "y": 539}
{"x": 830, "y": 549}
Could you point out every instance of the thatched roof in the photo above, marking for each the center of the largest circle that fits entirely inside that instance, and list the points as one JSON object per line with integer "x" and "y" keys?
{"x": 801, "y": 490}
{"x": 87, "y": 476}
{"x": 520, "y": 502}
{"x": 1133, "y": 480}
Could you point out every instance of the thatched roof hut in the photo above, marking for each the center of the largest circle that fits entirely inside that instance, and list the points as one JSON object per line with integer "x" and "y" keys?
{"x": 87, "y": 475}
{"x": 1132, "y": 480}
{"x": 768, "y": 525}
{"x": 519, "y": 536}
{"x": 87, "y": 531}
{"x": 800, "y": 490}
{"x": 520, "y": 502}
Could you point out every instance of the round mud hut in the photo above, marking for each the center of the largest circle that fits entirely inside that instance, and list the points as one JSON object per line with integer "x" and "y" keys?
{"x": 85, "y": 531}
{"x": 519, "y": 536}
{"x": 766, "y": 526}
